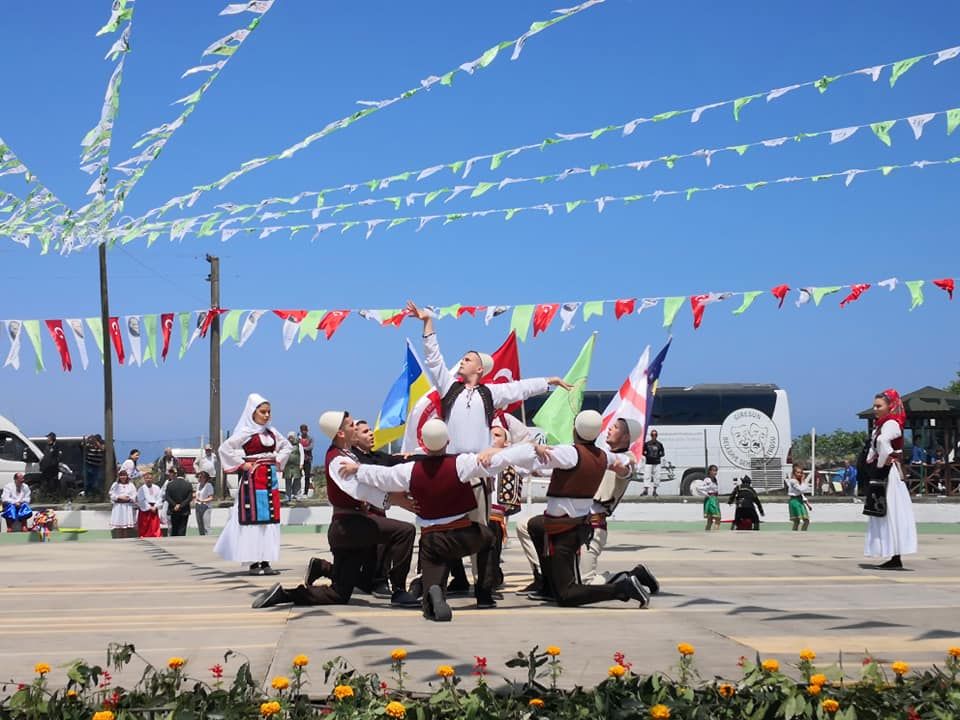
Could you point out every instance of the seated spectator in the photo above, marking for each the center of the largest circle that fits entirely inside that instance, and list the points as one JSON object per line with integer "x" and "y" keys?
{"x": 919, "y": 456}
{"x": 16, "y": 504}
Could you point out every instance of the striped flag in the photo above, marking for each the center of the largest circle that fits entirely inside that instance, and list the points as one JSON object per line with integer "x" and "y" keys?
{"x": 635, "y": 399}
{"x": 412, "y": 385}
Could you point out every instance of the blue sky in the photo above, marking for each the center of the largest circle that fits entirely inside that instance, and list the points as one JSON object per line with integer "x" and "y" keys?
{"x": 308, "y": 64}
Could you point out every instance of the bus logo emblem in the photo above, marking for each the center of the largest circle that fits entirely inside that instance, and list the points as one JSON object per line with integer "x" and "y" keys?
{"x": 748, "y": 434}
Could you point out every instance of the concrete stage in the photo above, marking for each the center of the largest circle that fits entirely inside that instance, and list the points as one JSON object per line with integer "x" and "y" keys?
{"x": 729, "y": 594}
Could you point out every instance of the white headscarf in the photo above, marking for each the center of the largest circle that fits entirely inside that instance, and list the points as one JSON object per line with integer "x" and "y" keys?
{"x": 246, "y": 427}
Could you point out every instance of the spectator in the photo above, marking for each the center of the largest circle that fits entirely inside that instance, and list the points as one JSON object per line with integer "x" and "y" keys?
{"x": 93, "y": 452}
{"x": 131, "y": 467}
{"x": 164, "y": 509}
{"x": 293, "y": 470}
{"x": 204, "y": 496}
{"x": 207, "y": 463}
{"x": 849, "y": 478}
{"x": 165, "y": 463}
{"x": 16, "y": 504}
{"x": 123, "y": 517}
{"x": 148, "y": 507}
{"x": 306, "y": 442}
{"x": 652, "y": 455}
{"x": 50, "y": 467}
{"x": 178, "y": 493}
{"x": 918, "y": 456}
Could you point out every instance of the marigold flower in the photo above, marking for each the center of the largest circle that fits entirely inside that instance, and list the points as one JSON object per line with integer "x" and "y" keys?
{"x": 954, "y": 652}
{"x": 41, "y": 668}
{"x": 536, "y": 703}
{"x": 726, "y": 690}
{"x": 771, "y": 665}
{"x": 398, "y": 655}
{"x": 280, "y": 683}
{"x": 900, "y": 668}
{"x": 103, "y": 715}
{"x": 616, "y": 671}
{"x": 813, "y": 690}
{"x": 71, "y": 693}
{"x": 685, "y": 649}
{"x": 342, "y": 692}
{"x": 830, "y": 706}
{"x": 660, "y": 712}
{"x": 818, "y": 679}
{"x": 446, "y": 671}
{"x": 267, "y": 709}
{"x": 175, "y": 663}
{"x": 395, "y": 709}
{"x": 301, "y": 661}
{"x": 808, "y": 655}
{"x": 552, "y": 650}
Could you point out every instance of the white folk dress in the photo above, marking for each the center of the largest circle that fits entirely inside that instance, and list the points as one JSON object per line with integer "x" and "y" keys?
{"x": 123, "y": 514}
{"x": 896, "y": 532}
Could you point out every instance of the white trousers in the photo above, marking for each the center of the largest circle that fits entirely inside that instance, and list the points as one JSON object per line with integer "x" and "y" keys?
{"x": 653, "y": 477}
{"x": 526, "y": 544}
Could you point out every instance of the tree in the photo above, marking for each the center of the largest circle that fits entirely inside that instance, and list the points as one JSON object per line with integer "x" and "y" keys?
{"x": 954, "y": 387}
{"x": 832, "y": 448}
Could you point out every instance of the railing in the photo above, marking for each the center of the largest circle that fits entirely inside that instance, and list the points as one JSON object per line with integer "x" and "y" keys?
{"x": 932, "y": 478}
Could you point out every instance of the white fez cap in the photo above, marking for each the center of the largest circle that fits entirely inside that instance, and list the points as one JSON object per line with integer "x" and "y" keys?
{"x": 587, "y": 424}
{"x": 486, "y": 361}
{"x": 634, "y": 428}
{"x": 331, "y": 421}
{"x": 434, "y": 433}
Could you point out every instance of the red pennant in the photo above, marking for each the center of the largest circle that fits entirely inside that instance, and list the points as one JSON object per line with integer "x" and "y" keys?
{"x": 114, "y": 329}
{"x": 395, "y": 320}
{"x": 945, "y": 284}
{"x": 855, "y": 292}
{"x": 208, "y": 320}
{"x": 542, "y": 317}
{"x": 331, "y": 321}
{"x": 506, "y": 365}
{"x": 624, "y": 307}
{"x": 295, "y": 315}
{"x": 780, "y": 293}
{"x": 166, "y": 327}
{"x": 698, "y": 305}
{"x": 60, "y": 340}
{"x": 471, "y": 309}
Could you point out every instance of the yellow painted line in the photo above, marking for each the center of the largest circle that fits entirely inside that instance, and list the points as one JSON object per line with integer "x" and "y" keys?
{"x": 788, "y": 644}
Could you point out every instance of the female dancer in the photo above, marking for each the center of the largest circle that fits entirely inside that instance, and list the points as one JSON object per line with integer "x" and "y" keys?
{"x": 710, "y": 489}
{"x": 798, "y": 505}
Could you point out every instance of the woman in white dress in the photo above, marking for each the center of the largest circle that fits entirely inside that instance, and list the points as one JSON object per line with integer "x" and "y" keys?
{"x": 894, "y": 533}
{"x": 123, "y": 516}
{"x": 257, "y": 451}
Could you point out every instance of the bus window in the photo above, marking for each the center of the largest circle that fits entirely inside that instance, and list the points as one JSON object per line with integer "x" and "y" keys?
{"x": 762, "y": 400}
{"x": 686, "y": 408}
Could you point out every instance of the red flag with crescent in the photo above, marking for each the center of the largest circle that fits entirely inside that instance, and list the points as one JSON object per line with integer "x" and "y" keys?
{"x": 166, "y": 327}
{"x": 60, "y": 340}
{"x": 331, "y": 321}
{"x": 113, "y": 328}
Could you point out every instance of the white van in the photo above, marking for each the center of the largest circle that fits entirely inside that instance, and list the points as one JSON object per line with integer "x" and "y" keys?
{"x": 17, "y": 452}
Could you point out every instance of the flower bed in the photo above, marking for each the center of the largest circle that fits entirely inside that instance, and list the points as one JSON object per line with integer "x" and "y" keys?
{"x": 763, "y": 693}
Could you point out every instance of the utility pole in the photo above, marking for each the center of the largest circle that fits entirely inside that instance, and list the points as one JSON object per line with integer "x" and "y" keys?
{"x": 109, "y": 460}
{"x": 213, "y": 278}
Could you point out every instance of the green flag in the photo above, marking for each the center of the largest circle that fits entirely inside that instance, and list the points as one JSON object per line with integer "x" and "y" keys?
{"x": 739, "y": 103}
{"x": 308, "y": 326}
{"x": 671, "y": 306}
{"x": 820, "y": 292}
{"x": 450, "y": 310}
{"x": 594, "y": 307}
{"x": 953, "y": 119}
{"x": 184, "y": 332}
{"x": 231, "y": 326}
{"x": 96, "y": 330}
{"x": 916, "y": 293}
{"x": 899, "y": 68}
{"x": 556, "y": 415}
{"x": 32, "y": 328}
{"x": 150, "y": 330}
{"x": 520, "y": 321}
{"x": 748, "y": 298}
{"x": 882, "y": 130}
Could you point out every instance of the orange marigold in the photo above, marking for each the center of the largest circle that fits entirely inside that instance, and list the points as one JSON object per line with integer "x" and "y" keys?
{"x": 301, "y": 661}
{"x": 900, "y": 667}
{"x": 269, "y": 708}
{"x": 342, "y": 692}
{"x": 71, "y": 693}
{"x": 830, "y": 706}
{"x": 103, "y": 715}
{"x": 726, "y": 690}
{"x": 395, "y": 709}
{"x": 813, "y": 690}
{"x": 280, "y": 683}
{"x": 771, "y": 665}
{"x": 536, "y": 703}
{"x": 175, "y": 663}
{"x": 398, "y": 655}
{"x": 686, "y": 649}
{"x": 660, "y": 712}
{"x": 446, "y": 671}
{"x": 616, "y": 671}
{"x": 808, "y": 655}
{"x": 41, "y": 668}
{"x": 818, "y": 679}
{"x": 552, "y": 650}
{"x": 954, "y": 652}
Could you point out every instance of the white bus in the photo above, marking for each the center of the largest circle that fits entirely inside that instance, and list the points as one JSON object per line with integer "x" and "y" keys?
{"x": 743, "y": 429}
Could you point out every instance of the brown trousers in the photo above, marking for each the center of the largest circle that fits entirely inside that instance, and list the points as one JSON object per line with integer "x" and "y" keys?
{"x": 441, "y": 547}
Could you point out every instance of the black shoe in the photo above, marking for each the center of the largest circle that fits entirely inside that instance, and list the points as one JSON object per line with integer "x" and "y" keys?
{"x": 631, "y": 589}
{"x": 893, "y": 563}
{"x": 437, "y": 608}
{"x": 273, "y": 596}
{"x": 655, "y": 492}
{"x": 500, "y": 581}
{"x": 316, "y": 569}
{"x": 255, "y": 568}
{"x": 382, "y": 591}
{"x": 485, "y": 600}
{"x": 416, "y": 587}
{"x": 646, "y": 579}
{"x": 536, "y": 585}
{"x": 403, "y": 599}
{"x": 541, "y": 596}
{"x": 265, "y": 569}
{"x": 644, "y": 493}
{"x": 458, "y": 588}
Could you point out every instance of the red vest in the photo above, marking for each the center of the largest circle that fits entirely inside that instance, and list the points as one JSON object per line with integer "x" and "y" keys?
{"x": 337, "y": 497}
{"x": 583, "y": 479}
{"x": 255, "y": 446}
{"x": 436, "y": 486}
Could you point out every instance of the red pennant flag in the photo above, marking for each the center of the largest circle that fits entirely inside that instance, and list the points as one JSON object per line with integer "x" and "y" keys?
{"x": 208, "y": 320}
{"x": 945, "y": 284}
{"x": 295, "y": 315}
{"x": 60, "y": 340}
{"x": 395, "y": 320}
{"x": 472, "y": 309}
{"x": 114, "y": 329}
{"x": 166, "y": 327}
{"x": 780, "y": 293}
{"x": 855, "y": 292}
{"x": 542, "y": 317}
{"x": 624, "y": 307}
{"x": 331, "y": 321}
{"x": 698, "y": 304}
{"x": 506, "y": 365}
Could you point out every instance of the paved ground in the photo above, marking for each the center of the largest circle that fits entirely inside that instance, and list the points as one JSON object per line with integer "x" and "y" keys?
{"x": 729, "y": 594}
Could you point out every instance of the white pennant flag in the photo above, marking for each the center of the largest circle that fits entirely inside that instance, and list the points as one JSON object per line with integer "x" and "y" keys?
{"x": 290, "y": 328}
{"x": 76, "y": 325}
{"x": 851, "y": 174}
{"x": 14, "y": 328}
{"x": 775, "y": 142}
{"x": 918, "y": 121}
{"x": 201, "y": 319}
{"x": 133, "y": 333}
{"x": 254, "y": 6}
{"x": 804, "y": 297}
{"x": 695, "y": 117}
{"x": 842, "y": 134}
{"x": 890, "y": 283}
{"x": 493, "y": 311}
{"x": 567, "y": 313}
{"x": 249, "y": 325}
{"x": 646, "y": 304}
{"x": 780, "y": 92}
{"x": 945, "y": 55}
{"x": 632, "y": 125}
{"x": 430, "y": 171}
{"x": 873, "y": 72}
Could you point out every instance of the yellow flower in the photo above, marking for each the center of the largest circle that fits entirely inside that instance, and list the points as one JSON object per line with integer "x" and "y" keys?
{"x": 770, "y": 665}
{"x": 103, "y": 715}
{"x": 808, "y": 655}
{"x": 71, "y": 693}
{"x": 954, "y": 652}
{"x": 726, "y": 690}
{"x": 398, "y": 655}
{"x": 41, "y": 668}
{"x": 552, "y": 650}
{"x": 445, "y": 671}
{"x": 818, "y": 679}
{"x": 341, "y": 692}
{"x": 280, "y": 683}
{"x": 536, "y": 703}
{"x": 267, "y": 709}
{"x": 685, "y": 649}
{"x": 616, "y": 671}
{"x": 301, "y": 661}
{"x": 395, "y": 710}
{"x": 660, "y": 712}
{"x": 830, "y": 706}
{"x": 813, "y": 689}
{"x": 900, "y": 667}
{"x": 175, "y": 663}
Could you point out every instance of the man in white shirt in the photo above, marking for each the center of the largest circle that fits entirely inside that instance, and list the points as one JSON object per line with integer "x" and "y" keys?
{"x": 207, "y": 463}
{"x": 16, "y": 504}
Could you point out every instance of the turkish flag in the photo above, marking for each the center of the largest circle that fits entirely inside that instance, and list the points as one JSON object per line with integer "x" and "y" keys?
{"x": 208, "y": 320}
{"x": 166, "y": 327}
{"x": 945, "y": 284}
{"x": 472, "y": 309}
{"x": 506, "y": 365}
{"x": 331, "y": 321}
{"x": 114, "y": 329}
{"x": 396, "y": 320}
{"x": 60, "y": 340}
{"x": 697, "y": 304}
{"x": 780, "y": 293}
{"x": 542, "y": 317}
{"x": 624, "y": 307}
{"x": 855, "y": 292}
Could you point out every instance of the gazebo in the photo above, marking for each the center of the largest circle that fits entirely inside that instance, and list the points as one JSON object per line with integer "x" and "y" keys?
{"x": 931, "y": 439}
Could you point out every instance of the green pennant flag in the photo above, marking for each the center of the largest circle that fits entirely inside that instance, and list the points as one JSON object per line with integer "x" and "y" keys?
{"x": 308, "y": 326}
{"x": 882, "y": 130}
{"x": 230, "y": 329}
{"x": 557, "y": 414}
{"x": 916, "y": 293}
{"x": 573, "y": 205}
{"x": 450, "y": 310}
{"x": 497, "y": 159}
{"x": 520, "y": 321}
{"x": 184, "y": 332}
{"x": 671, "y": 306}
{"x": 739, "y": 103}
{"x": 819, "y": 293}
{"x": 32, "y": 328}
{"x": 150, "y": 330}
{"x": 823, "y": 83}
{"x": 748, "y": 298}
{"x": 899, "y": 68}
{"x": 96, "y": 330}
{"x": 953, "y": 119}
{"x": 594, "y": 307}
{"x": 481, "y": 188}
